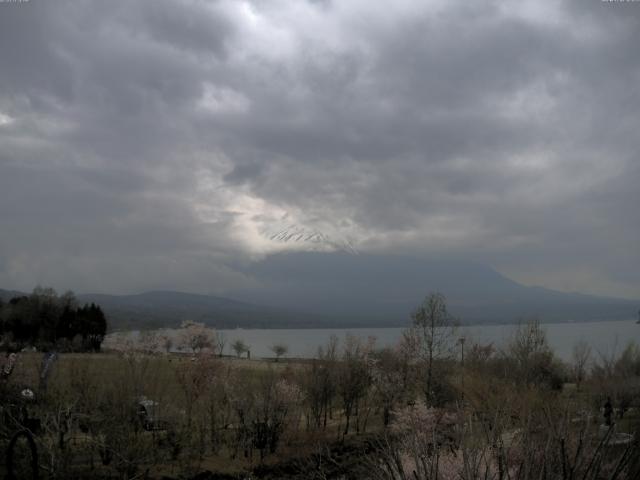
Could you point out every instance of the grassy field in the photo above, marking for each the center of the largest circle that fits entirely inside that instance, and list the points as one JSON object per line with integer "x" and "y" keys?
{"x": 98, "y": 393}
{"x": 137, "y": 415}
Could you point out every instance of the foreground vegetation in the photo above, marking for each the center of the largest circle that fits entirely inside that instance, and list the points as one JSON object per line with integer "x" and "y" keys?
{"x": 433, "y": 407}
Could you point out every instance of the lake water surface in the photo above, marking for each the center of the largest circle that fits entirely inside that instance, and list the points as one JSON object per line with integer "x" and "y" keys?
{"x": 605, "y": 338}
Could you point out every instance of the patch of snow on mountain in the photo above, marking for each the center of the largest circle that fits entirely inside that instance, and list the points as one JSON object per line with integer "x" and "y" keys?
{"x": 306, "y": 238}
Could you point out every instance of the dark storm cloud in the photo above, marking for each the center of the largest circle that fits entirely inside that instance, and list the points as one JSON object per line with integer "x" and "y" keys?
{"x": 146, "y": 144}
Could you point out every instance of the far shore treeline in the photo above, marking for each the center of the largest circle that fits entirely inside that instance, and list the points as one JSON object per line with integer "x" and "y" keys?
{"x": 46, "y": 320}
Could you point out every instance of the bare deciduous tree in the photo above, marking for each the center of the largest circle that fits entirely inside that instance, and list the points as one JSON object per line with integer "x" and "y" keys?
{"x": 279, "y": 349}
{"x": 581, "y": 355}
{"x": 432, "y": 333}
{"x": 239, "y": 347}
{"x": 533, "y": 359}
{"x": 193, "y": 377}
{"x": 221, "y": 342}
{"x": 319, "y": 383}
{"x": 354, "y": 376}
{"x": 391, "y": 379}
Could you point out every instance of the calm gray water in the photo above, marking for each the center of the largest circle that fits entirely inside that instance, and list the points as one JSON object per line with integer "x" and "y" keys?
{"x": 605, "y": 338}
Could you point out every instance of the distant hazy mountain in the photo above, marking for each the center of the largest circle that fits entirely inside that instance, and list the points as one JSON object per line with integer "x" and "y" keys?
{"x": 384, "y": 289}
{"x": 169, "y": 308}
{"x": 312, "y": 289}
{"x": 158, "y": 309}
{"x": 6, "y": 295}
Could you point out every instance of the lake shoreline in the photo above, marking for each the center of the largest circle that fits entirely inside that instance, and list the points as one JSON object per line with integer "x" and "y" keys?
{"x": 604, "y": 337}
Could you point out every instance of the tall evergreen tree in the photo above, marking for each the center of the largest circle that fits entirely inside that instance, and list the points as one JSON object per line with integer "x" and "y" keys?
{"x": 43, "y": 318}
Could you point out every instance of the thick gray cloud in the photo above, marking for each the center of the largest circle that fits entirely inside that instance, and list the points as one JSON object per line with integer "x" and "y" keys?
{"x": 149, "y": 144}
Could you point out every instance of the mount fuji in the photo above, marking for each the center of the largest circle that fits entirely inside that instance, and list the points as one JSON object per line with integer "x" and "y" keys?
{"x": 309, "y": 239}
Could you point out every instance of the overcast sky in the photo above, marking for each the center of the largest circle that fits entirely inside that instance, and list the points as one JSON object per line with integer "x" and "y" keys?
{"x": 152, "y": 143}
